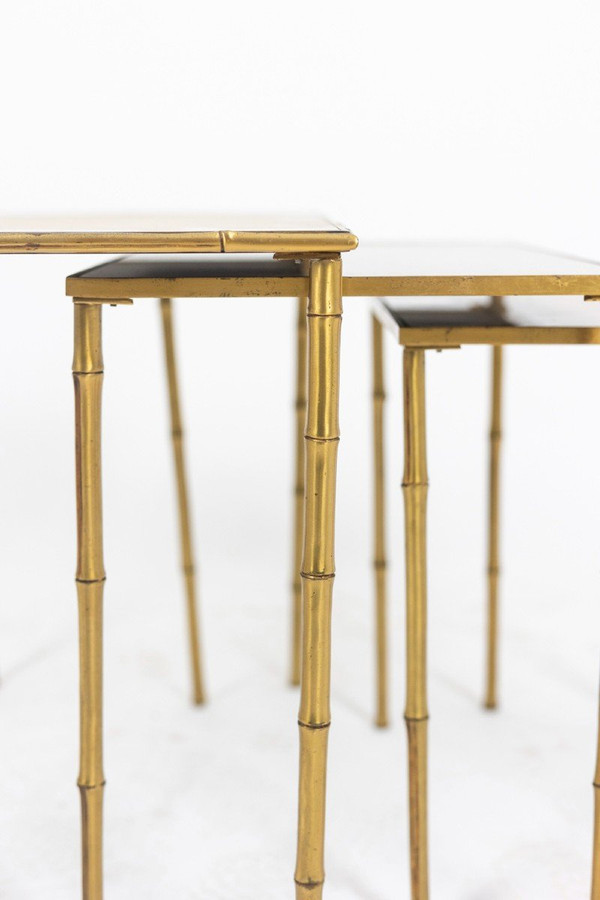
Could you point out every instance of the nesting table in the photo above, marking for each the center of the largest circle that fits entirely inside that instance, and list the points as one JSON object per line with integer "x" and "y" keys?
{"x": 418, "y": 327}
{"x": 385, "y": 270}
{"x": 319, "y": 243}
{"x": 460, "y": 270}
{"x": 308, "y": 266}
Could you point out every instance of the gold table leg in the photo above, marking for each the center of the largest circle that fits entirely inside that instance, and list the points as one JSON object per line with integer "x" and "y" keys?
{"x": 595, "y": 895}
{"x": 379, "y": 562}
{"x": 298, "y": 490}
{"x": 324, "y": 320}
{"x": 414, "y": 487}
{"x": 187, "y": 554}
{"x": 90, "y": 577}
{"x": 491, "y": 698}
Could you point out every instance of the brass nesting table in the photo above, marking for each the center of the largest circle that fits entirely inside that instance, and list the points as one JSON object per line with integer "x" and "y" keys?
{"x": 308, "y": 266}
{"x": 387, "y": 270}
{"x": 456, "y": 271}
{"x": 418, "y": 327}
{"x": 320, "y": 244}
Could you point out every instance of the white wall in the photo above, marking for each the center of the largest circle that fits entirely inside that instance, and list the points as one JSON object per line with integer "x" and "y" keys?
{"x": 403, "y": 119}
{"x": 422, "y": 120}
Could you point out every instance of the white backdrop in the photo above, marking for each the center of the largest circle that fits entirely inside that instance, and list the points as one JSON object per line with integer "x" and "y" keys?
{"x": 429, "y": 120}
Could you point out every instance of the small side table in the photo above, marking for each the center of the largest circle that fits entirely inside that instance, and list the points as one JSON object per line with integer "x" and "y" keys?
{"x": 318, "y": 277}
{"x": 446, "y": 272}
{"x": 320, "y": 243}
{"x": 393, "y": 270}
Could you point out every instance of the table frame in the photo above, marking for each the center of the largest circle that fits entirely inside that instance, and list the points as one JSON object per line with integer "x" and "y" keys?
{"x": 323, "y": 315}
{"x": 322, "y": 283}
{"x": 415, "y": 340}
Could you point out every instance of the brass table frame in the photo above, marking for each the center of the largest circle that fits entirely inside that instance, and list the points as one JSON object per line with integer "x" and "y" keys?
{"x": 320, "y": 243}
{"x": 319, "y": 285}
{"x": 415, "y": 340}
{"x": 314, "y": 516}
{"x": 208, "y": 233}
{"x": 183, "y": 506}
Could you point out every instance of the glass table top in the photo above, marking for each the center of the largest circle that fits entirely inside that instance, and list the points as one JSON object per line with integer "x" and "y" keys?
{"x": 374, "y": 270}
{"x": 453, "y": 321}
{"x": 428, "y": 269}
{"x": 205, "y": 233}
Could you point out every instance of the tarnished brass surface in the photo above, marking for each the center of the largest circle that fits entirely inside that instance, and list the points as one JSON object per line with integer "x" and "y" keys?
{"x": 440, "y": 339}
{"x": 491, "y": 689}
{"x": 90, "y": 576}
{"x": 233, "y": 286}
{"x": 187, "y": 552}
{"x": 289, "y": 242}
{"x": 298, "y": 524}
{"x": 173, "y": 234}
{"x": 322, "y": 436}
{"x": 414, "y": 486}
{"x": 379, "y": 559}
{"x": 474, "y": 286}
{"x": 515, "y": 320}
{"x": 388, "y": 270}
{"x": 428, "y": 269}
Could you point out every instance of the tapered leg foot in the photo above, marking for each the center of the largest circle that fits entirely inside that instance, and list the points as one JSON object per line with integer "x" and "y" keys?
{"x": 91, "y": 779}
{"x": 87, "y": 377}
{"x": 311, "y": 812}
{"x": 417, "y": 762}
{"x": 491, "y": 678}
{"x": 414, "y": 485}
{"x": 380, "y": 560}
{"x": 91, "y": 849}
{"x": 198, "y": 693}
{"x": 324, "y": 319}
{"x": 187, "y": 553}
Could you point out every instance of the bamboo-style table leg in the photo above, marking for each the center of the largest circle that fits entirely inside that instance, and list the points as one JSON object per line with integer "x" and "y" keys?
{"x": 379, "y": 561}
{"x": 491, "y": 696}
{"x": 414, "y": 487}
{"x": 298, "y": 490}
{"x": 324, "y": 320}
{"x": 187, "y": 553}
{"x": 90, "y": 577}
{"x": 595, "y": 895}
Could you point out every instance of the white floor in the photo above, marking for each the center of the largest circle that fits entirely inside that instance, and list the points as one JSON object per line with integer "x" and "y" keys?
{"x": 200, "y": 803}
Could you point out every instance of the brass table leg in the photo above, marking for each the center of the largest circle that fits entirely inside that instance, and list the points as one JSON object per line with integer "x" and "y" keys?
{"x": 491, "y": 698}
{"x": 379, "y": 562}
{"x": 595, "y": 895}
{"x": 90, "y": 577}
{"x": 414, "y": 486}
{"x": 324, "y": 320}
{"x": 298, "y": 490}
{"x": 187, "y": 554}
